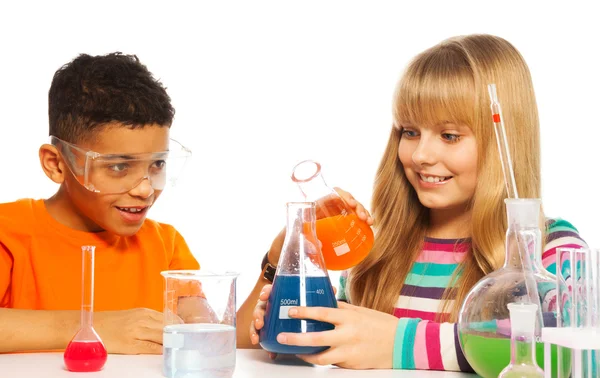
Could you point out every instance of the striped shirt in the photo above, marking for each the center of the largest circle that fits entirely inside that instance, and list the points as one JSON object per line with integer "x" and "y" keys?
{"x": 431, "y": 345}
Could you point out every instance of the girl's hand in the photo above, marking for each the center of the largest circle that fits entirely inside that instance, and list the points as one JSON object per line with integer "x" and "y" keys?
{"x": 362, "y": 338}
{"x": 259, "y": 316}
{"x": 359, "y": 209}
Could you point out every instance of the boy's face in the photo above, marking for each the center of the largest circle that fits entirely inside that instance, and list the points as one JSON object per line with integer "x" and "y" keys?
{"x": 122, "y": 214}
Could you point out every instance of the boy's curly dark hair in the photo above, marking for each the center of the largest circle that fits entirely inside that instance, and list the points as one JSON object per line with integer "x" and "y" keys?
{"x": 92, "y": 91}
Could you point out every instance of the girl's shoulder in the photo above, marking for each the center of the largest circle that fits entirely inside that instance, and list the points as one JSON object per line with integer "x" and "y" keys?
{"x": 559, "y": 234}
{"x": 561, "y": 231}
{"x": 553, "y": 224}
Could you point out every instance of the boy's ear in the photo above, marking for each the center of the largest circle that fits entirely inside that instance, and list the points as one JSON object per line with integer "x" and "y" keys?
{"x": 52, "y": 164}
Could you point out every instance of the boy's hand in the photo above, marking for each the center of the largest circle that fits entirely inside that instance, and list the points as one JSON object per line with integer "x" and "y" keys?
{"x": 136, "y": 331}
{"x": 358, "y": 208}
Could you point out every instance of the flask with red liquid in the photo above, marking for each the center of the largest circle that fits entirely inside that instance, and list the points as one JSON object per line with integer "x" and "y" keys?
{"x": 346, "y": 239}
{"x": 86, "y": 352}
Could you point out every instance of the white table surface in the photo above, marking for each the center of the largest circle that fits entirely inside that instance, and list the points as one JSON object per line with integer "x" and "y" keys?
{"x": 249, "y": 363}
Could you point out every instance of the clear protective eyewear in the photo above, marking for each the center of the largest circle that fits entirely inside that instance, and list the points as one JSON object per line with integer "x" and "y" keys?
{"x": 120, "y": 173}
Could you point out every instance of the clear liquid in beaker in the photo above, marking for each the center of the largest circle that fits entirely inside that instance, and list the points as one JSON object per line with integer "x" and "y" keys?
{"x": 200, "y": 350}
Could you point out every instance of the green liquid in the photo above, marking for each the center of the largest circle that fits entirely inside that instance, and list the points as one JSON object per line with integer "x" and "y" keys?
{"x": 489, "y": 355}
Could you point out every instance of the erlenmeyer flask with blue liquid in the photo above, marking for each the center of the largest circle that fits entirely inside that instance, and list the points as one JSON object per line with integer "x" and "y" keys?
{"x": 301, "y": 279}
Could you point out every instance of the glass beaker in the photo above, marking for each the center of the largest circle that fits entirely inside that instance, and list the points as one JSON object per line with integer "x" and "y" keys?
{"x": 86, "y": 352}
{"x": 301, "y": 279}
{"x": 484, "y": 321}
{"x": 199, "y": 336}
{"x": 346, "y": 239}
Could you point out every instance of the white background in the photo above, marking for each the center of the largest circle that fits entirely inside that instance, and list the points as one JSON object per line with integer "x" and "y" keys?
{"x": 259, "y": 86}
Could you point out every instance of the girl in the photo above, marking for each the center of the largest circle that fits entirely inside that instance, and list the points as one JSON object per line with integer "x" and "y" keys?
{"x": 438, "y": 210}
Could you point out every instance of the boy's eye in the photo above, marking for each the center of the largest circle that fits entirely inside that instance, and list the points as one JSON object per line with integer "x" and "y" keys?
{"x": 450, "y": 137}
{"x": 120, "y": 167}
{"x": 160, "y": 164}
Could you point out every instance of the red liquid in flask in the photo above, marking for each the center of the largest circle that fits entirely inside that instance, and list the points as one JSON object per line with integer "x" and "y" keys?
{"x": 85, "y": 356}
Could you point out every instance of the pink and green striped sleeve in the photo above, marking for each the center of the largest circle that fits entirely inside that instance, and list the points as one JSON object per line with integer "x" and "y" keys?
{"x": 428, "y": 345}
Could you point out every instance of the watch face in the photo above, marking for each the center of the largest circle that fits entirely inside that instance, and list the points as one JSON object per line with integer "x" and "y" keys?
{"x": 270, "y": 273}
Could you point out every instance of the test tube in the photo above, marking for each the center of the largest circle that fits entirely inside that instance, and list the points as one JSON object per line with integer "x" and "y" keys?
{"x": 512, "y": 192}
{"x": 507, "y": 168}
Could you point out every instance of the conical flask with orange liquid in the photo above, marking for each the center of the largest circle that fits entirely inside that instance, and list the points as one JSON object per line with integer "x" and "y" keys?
{"x": 346, "y": 239}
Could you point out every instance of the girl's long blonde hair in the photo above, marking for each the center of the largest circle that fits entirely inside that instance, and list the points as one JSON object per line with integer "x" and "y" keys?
{"x": 448, "y": 83}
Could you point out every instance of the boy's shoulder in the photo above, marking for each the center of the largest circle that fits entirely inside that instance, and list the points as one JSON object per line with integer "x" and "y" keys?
{"x": 153, "y": 227}
{"x": 17, "y": 215}
{"x": 18, "y": 205}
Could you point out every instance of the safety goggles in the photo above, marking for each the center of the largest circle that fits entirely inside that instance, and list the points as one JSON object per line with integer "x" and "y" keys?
{"x": 120, "y": 173}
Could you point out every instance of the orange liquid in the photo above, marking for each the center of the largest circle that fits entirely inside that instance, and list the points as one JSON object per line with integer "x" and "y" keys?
{"x": 346, "y": 239}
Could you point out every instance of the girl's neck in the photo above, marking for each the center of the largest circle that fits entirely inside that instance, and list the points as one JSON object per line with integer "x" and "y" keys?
{"x": 449, "y": 224}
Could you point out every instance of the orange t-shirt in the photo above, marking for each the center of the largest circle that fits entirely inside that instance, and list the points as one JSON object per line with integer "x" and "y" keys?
{"x": 40, "y": 262}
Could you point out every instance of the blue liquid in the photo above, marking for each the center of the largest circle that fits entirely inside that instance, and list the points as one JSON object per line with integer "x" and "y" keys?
{"x": 286, "y": 294}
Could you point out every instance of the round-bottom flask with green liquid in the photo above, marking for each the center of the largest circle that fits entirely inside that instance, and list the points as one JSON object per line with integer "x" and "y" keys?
{"x": 484, "y": 320}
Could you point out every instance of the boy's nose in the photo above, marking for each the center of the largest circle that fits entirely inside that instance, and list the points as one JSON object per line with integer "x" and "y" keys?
{"x": 143, "y": 190}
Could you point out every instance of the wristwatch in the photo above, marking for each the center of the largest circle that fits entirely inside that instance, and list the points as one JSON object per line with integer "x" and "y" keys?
{"x": 269, "y": 272}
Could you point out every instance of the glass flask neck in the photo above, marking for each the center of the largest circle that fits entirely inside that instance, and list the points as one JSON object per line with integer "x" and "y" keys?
{"x": 301, "y": 218}
{"x": 301, "y": 253}
{"x": 523, "y": 350}
{"x": 87, "y": 286}
{"x": 527, "y": 241}
{"x": 523, "y": 233}
{"x": 307, "y": 175}
{"x": 522, "y": 318}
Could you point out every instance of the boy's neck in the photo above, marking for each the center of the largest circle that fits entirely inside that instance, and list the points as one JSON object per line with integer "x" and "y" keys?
{"x": 62, "y": 209}
{"x": 449, "y": 224}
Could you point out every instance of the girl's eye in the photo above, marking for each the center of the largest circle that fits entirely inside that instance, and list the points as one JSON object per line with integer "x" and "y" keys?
{"x": 409, "y": 133}
{"x": 452, "y": 138}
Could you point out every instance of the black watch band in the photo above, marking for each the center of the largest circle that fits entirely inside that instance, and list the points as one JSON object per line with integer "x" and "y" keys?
{"x": 270, "y": 270}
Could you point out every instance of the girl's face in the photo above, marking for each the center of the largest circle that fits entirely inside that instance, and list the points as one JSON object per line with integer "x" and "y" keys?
{"x": 440, "y": 162}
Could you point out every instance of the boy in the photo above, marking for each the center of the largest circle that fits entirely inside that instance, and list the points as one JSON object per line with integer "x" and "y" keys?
{"x": 109, "y": 137}
{"x": 109, "y": 127}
